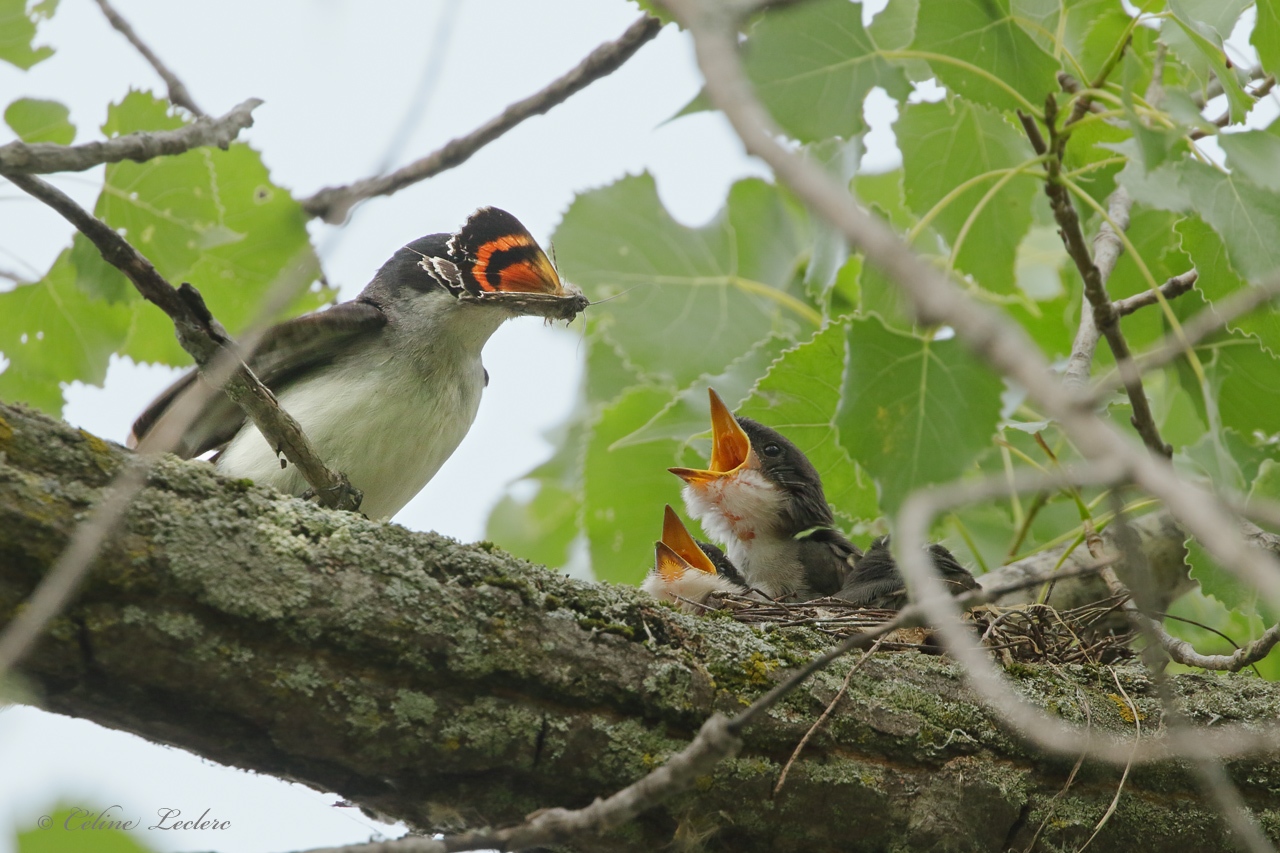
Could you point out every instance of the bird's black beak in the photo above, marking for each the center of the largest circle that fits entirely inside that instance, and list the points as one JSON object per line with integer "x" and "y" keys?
{"x": 730, "y": 448}
{"x": 677, "y": 552}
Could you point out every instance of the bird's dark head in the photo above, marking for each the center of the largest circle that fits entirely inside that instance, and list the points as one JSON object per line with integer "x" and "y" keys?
{"x": 756, "y": 477}
{"x": 491, "y": 260}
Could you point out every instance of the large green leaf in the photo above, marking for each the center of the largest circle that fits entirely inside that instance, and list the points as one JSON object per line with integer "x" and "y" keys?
{"x": 1245, "y": 216}
{"x": 689, "y": 413}
{"x": 978, "y": 50}
{"x": 1255, "y": 154}
{"x": 18, "y": 20}
{"x": 626, "y": 487}
{"x": 1218, "y": 279}
{"x": 799, "y": 397}
{"x": 52, "y": 334}
{"x": 813, "y": 67}
{"x": 36, "y": 120}
{"x": 687, "y": 300}
{"x": 913, "y": 411}
{"x": 1266, "y": 34}
{"x": 945, "y": 145}
{"x": 1196, "y": 32}
{"x": 1063, "y": 29}
{"x": 1244, "y": 377}
{"x": 540, "y": 528}
{"x": 209, "y": 217}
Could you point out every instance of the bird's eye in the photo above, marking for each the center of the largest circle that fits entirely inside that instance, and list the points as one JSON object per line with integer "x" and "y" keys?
{"x": 772, "y": 450}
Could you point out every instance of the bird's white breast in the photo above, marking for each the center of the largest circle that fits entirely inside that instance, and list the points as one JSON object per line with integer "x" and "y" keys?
{"x": 743, "y": 513}
{"x": 388, "y": 414}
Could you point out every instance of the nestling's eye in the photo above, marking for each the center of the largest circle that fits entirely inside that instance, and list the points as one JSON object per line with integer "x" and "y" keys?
{"x": 772, "y": 450}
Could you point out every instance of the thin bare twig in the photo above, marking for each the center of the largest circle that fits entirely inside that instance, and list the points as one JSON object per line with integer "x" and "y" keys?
{"x": 178, "y": 93}
{"x": 37, "y": 158}
{"x": 202, "y": 337}
{"x": 333, "y": 204}
{"x": 1199, "y": 327}
{"x": 1137, "y": 737}
{"x": 1171, "y": 289}
{"x": 826, "y": 712}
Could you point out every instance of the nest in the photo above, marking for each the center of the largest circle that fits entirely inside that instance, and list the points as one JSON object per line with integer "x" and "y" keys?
{"x": 1029, "y": 633}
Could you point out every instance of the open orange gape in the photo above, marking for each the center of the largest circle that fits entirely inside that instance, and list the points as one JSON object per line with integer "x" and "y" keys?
{"x": 730, "y": 448}
{"x": 677, "y": 552}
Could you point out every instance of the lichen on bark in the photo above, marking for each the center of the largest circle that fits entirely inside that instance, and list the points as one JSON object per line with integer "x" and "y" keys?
{"x": 449, "y": 684}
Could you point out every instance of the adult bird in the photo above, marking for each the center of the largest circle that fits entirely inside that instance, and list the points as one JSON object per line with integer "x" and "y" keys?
{"x": 762, "y": 499}
{"x": 687, "y": 572}
{"x": 386, "y": 385}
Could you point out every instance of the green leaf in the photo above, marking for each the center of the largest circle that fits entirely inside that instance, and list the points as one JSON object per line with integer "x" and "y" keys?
{"x": 894, "y": 26}
{"x": 1266, "y": 485}
{"x": 798, "y": 397}
{"x": 210, "y": 217}
{"x": 979, "y": 51}
{"x": 626, "y": 487}
{"x": 913, "y": 411}
{"x": 1244, "y": 376}
{"x": 945, "y": 145}
{"x": 1062, "y": 29}
{"x": 1196, "y": 33}
{"x": 1217, "y": 582}
{"x": 18, "y": 30}
{"x": 688, "y": 300}
{"x": 690, "y": 412}
{"x": 1245, "y": 216}
{"x": 1255, "y": 154}
{"x": 813, "y": 66}
{"x": 1218, "y": 279}
{"x": 35, "y": 120}
{"x": 1266, "y": 34}
{"x": 542, "y": 528}
{"x": 52, "y": 334}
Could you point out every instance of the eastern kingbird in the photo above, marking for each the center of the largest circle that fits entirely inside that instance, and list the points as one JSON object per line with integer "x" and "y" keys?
{"x": 385, "y": 385}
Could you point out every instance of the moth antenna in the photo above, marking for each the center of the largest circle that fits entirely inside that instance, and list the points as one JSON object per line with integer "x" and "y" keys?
{"x": 615, "y": 296}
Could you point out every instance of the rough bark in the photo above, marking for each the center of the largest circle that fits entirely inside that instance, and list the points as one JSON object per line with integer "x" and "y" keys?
{"x": 454, "y": 685}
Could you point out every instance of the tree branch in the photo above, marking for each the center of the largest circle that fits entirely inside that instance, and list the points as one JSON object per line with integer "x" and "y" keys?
{"x": 1108, "y": 246}
{"x": 436, "y": 682}
{"x": 178, "y": 93}
{"x": 333, "y": 204}
{"x": 21, "y": 158}
{"x": 203, "y": 338}
{"x": 1105, "y": 319}
{"x": 1171, "y": 289}
{"x": 1209, "y": 320}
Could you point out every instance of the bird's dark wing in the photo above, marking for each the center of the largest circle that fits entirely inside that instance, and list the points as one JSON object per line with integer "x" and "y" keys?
{"x": 955, "y": 576}
{"x": 827, "y": 557}
{"x": 286, "y": 350}
{"x": 875, "y": 580}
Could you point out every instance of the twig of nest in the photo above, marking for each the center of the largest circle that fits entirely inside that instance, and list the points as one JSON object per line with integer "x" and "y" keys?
{"x": 1029, "y": 633}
